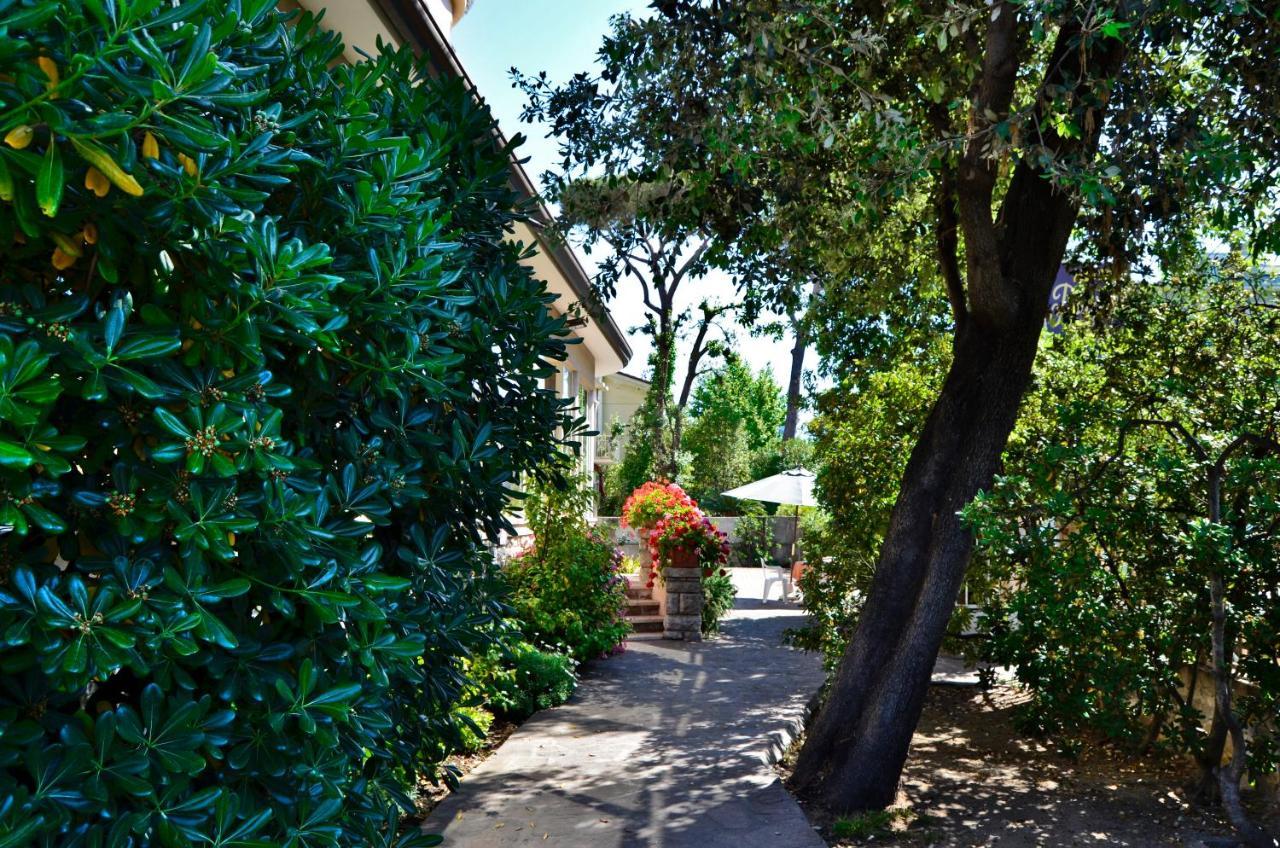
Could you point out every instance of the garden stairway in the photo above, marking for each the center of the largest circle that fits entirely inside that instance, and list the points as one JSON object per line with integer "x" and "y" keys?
{"x": 644, "y": 613}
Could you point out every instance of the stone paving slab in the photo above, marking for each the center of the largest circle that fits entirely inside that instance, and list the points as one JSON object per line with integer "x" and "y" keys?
{"x": 667, "y": 745}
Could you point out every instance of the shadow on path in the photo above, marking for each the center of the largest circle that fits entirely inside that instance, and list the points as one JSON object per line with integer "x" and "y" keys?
{"x": 665, "y": 745}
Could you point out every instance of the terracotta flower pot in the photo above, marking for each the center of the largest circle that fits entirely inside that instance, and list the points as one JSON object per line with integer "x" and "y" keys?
{"x": 683, "y": 558}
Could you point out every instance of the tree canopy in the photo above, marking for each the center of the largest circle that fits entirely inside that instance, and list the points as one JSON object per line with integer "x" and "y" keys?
{"x": 735, "y": 421}
{"x": 996, "y": 139}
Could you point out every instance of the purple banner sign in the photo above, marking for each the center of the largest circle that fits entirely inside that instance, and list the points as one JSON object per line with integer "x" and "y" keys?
{"x": 1062, "y": 287}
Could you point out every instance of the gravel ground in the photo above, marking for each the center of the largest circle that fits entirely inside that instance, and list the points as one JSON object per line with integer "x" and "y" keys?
{"x": 973, "y": 780}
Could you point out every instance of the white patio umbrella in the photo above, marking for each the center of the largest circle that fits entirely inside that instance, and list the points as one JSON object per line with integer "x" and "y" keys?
{"x": 793, "y": 487}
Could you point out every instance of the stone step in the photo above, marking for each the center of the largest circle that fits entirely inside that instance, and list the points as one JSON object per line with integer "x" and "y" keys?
{"x": 645, "y": 623}
{"x": 655, "y": 636}
{"x": 639, "y": 593}
{"x": 642, "y": 606}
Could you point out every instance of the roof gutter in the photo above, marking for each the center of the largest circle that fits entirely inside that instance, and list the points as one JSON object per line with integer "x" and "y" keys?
{"x": 414, "y": 23}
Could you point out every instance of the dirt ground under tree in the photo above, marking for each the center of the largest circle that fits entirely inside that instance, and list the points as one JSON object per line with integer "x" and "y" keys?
{"x": 973, "y": 779}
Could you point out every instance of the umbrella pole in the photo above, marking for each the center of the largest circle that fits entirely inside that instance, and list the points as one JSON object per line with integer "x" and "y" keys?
{"x": 795, "y": 533}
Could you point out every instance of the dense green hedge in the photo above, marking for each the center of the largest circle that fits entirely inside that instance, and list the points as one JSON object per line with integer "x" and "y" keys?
{"x": 266, "y": 365}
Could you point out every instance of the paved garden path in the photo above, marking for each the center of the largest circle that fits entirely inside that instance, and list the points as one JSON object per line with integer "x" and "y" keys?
{"x": 666, "y": 745}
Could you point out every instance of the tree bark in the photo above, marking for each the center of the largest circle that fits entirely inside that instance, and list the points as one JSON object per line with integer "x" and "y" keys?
{"x": 1209, "y": 759}
{"x": 664, "y": 342}
{"x": 1229, "y": 775}
{"x": 792, "y": 421}
{"x": 856, "y": 747}
{"x": 696, "y": 353}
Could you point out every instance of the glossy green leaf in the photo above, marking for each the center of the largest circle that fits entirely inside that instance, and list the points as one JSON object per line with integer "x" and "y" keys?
{"x": 49, "y": 181}
{"x": 227, "y": 420}
{"x": 14, "y": 456}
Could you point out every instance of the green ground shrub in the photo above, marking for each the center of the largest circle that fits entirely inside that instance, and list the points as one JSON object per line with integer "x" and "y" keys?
{"x": 718, "y": 595}
{"x": 567, "y": 589}
{"x": 474, "y": 723}
{"x": 267, "y": 365}
{"x": 524, "y": 679}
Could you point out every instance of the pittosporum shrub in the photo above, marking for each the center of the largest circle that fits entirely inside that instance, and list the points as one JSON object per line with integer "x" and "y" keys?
{"x": 267, "y": 365}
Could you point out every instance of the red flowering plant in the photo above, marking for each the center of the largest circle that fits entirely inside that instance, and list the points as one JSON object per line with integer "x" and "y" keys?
{"x": 654, "y": 501}
{"x": 690, "y": 531}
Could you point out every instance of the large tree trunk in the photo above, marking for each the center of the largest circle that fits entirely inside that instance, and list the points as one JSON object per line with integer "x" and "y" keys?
{"x": 856, "y": 747}
{"x": 793, "y": 383}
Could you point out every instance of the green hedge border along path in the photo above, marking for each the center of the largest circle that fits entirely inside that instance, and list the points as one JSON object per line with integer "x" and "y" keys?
{"x": 266, "y": 369}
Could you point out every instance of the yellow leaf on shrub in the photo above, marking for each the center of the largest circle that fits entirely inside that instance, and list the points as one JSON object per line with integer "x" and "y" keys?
{"x": 188, "y": 164}
{"x": 101, "y": 159}
{"x": 61, "y": 260}
{"x": 150, "y": 147}
{"x": 97, "y": 182}
{"x": 20, "y": 136}
{"x": 65, "y": 243}
{"x": 50, "y": 69}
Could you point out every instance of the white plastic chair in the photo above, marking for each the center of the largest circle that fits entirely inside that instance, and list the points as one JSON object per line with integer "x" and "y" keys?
{"x": 775, "y": 574}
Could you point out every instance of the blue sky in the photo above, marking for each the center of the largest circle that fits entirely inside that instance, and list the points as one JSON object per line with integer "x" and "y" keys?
{"x": 562, "y": 38}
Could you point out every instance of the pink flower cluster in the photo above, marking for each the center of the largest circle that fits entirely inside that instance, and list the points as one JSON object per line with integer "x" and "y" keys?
{"x": 652, "y": 502}
{"x": 675, "y": 523}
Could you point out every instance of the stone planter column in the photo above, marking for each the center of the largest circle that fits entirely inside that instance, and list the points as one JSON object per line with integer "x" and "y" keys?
{"x": 683, "y": 608}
